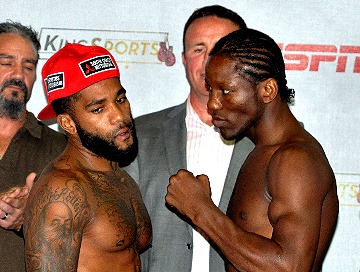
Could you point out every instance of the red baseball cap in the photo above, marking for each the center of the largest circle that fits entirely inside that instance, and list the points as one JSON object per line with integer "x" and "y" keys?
{"x": 72, "y": 69}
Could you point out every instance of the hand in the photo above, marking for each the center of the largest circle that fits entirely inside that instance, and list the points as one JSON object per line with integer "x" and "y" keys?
{"x": 12, "y": 204}
{"x": 188, "y": 194}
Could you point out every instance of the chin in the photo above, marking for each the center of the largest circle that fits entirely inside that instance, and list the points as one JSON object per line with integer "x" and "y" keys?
{"x": 232, "y": 135}
{"x": 227, "y": 135}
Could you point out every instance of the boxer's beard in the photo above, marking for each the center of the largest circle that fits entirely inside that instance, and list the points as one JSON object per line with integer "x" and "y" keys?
{"x": 104, "y": 146}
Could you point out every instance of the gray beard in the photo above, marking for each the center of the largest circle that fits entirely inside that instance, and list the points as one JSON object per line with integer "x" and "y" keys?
{"x": 11, "y": 108}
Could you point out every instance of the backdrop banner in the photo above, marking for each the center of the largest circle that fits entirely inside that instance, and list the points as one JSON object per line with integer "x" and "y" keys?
{"x": 319, "y": 40}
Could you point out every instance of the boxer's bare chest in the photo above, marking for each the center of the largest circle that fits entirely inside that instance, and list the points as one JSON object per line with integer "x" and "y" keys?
{"x": 248, "y": 206}
{"x": 115, "y": 223}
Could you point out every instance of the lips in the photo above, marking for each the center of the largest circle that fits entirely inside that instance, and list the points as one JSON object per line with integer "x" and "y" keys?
{"x": 218, "y": 121}
{"x": 123, "y": 134}
{"x": 15, "y": 88}
{"x": 14, "y": 84}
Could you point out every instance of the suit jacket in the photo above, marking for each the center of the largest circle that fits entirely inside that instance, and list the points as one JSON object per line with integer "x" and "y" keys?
{"x": 162, "y": 152}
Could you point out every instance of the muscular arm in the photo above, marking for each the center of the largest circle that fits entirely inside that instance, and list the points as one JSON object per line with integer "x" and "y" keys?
{"x": 298, "y": 185}
{"x": 56, "y": 214}
{"x": 304, "y": 207}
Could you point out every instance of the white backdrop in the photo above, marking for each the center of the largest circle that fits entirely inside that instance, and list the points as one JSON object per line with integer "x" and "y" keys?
{"x": 320, "y": 42}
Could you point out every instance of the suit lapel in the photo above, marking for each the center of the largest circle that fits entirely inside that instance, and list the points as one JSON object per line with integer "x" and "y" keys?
{"x": 174, "y": 130}
{"x": 241, "y": 151}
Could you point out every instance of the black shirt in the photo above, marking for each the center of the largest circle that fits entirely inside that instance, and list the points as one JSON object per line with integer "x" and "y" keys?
{"x": 33, "y": 147}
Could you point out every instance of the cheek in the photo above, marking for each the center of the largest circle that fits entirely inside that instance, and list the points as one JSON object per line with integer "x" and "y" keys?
{"x": 193, "y": 64}
{"x": 92, "y": 124}
{"x": 241, "y": 109}
{"x": 98, "y": 126}
{"x": 29, "y": 81}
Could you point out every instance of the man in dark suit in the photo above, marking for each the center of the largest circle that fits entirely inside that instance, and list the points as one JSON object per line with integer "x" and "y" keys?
{"x": 184, "y": 137}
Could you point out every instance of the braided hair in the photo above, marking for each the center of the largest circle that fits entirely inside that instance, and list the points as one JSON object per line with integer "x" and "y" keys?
{"x": 257, "y": 56}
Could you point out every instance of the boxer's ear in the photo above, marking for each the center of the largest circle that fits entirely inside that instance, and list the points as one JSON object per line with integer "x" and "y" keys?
{"x": 67, "y": 123}
{"x": 268, "y": 90}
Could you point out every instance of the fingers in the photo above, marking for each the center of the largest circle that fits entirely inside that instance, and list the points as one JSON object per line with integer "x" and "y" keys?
{"x": 5, "y": 216}
{"x": 10, "y": 216}
{"x": 17, "y": 198}
{"x": 12, "y": 221}
{"x": 12, "y": 211}
{"x": 203, "y": 178}
{"x": 180, "y": 187}
{"x": 18, "y": 192}
{"x": 6, "y": 208}
{"x": 12, "y": 204}
{"x": 12, "y": 193}
{"x": 24, "y": 191}
{"x": 182, "y": 173}
{"x": 171, "y": 188}
{"x": 16, "y": 203}
{"x": 30, "y": 180}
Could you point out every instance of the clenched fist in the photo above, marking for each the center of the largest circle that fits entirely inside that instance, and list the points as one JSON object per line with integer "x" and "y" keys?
{"x": 188, "y": 194}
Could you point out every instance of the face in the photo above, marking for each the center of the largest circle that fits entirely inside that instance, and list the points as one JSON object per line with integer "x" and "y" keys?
{"x": 104, "y": 122}
{"x": 200, "y": 38}
{"x": 18, "y": 58}
{"x": 233, "y": 101}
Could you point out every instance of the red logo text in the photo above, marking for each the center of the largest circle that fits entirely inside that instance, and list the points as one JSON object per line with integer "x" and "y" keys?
{"x": 301, "y": 57}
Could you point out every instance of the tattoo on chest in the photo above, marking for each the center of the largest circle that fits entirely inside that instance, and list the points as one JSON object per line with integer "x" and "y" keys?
{"x": 114, "y": 197}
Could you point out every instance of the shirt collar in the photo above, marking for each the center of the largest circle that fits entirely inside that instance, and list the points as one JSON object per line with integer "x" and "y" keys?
{"x": 31, "y": 125}
{"x": 193, "y": 120}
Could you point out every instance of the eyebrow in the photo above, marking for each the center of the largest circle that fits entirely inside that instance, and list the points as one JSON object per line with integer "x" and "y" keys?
{"x": 100, "y": 101}
{"x": 6, "y": 56}
{"x": 32, "y": 61}
{"x": 197, "y": 44}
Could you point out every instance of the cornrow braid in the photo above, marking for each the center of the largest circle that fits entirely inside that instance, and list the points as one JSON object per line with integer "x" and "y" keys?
{"x": 257, "y": 56}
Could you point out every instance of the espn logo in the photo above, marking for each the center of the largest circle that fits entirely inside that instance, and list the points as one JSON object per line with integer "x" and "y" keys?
{"x": 302, "y": 57}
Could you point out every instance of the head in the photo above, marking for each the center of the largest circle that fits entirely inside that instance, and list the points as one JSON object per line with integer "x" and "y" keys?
{"x": 19, "y": 47}
{"x": 84, "y": 92}
{"x": 202, "y": 30}
{"x": 217, "y": 11}
{"x": 245, "y": 71}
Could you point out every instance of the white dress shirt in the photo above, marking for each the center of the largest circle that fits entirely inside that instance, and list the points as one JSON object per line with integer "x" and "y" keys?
{"x": 206, "y": 153}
